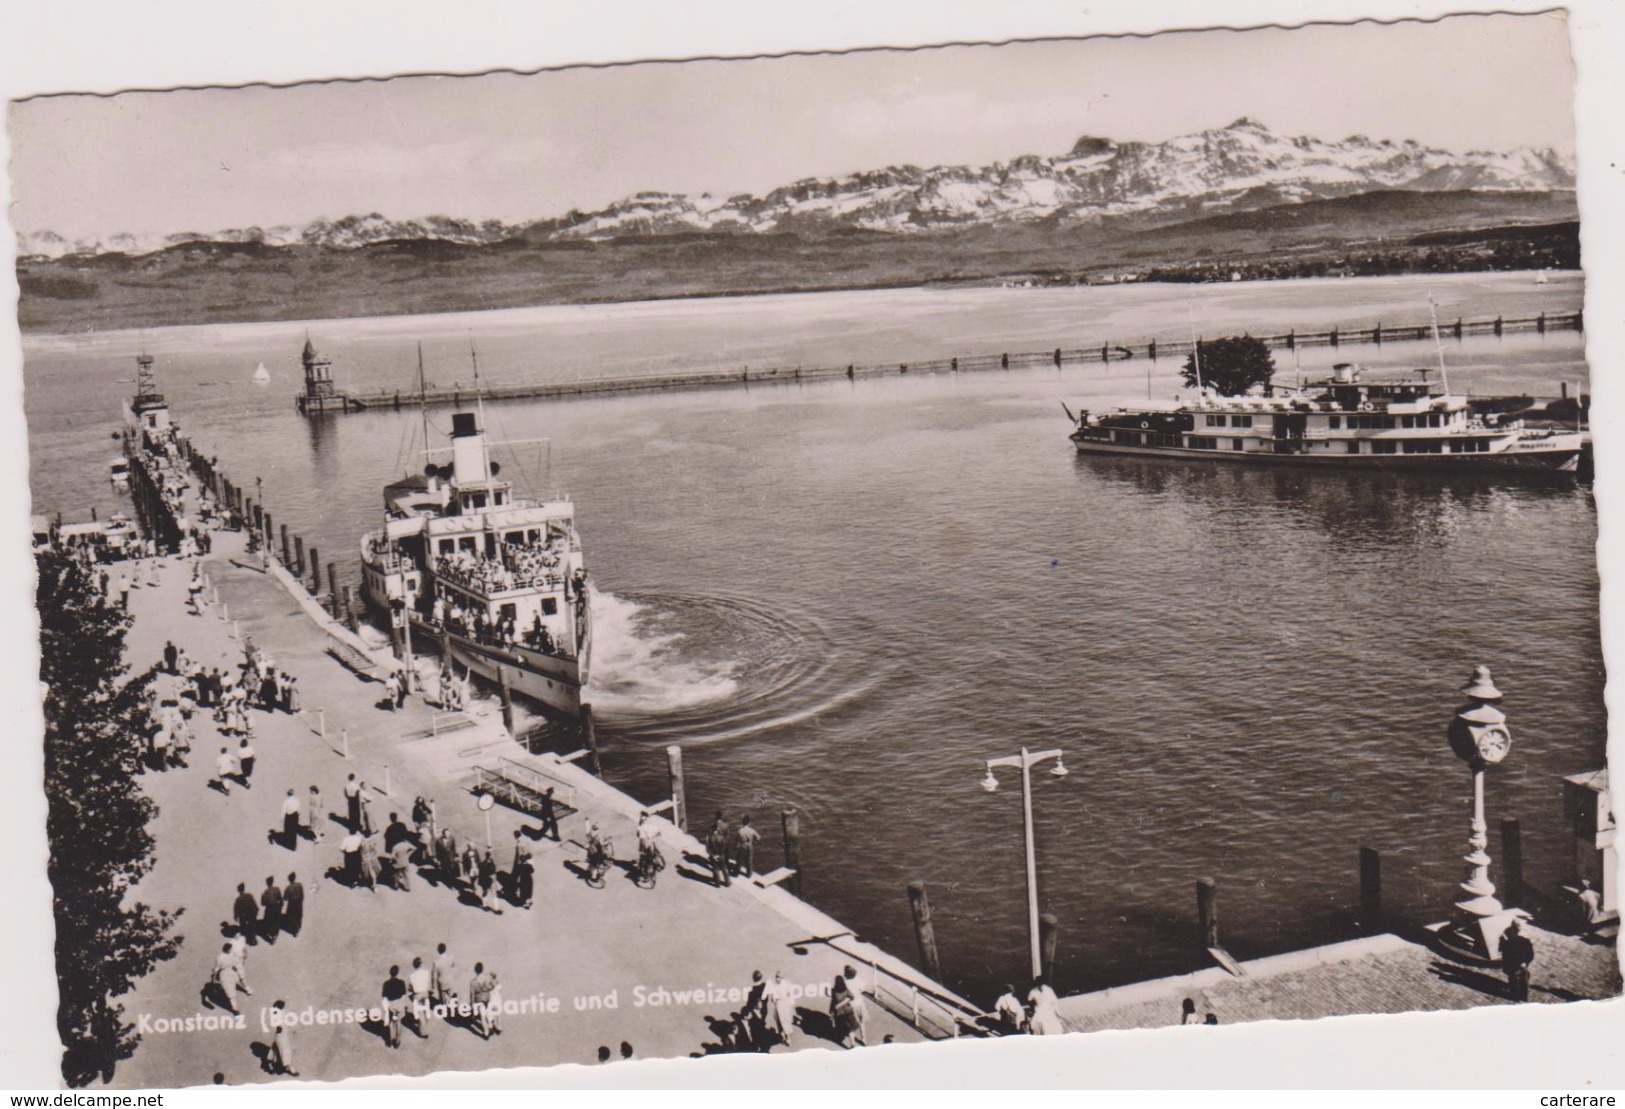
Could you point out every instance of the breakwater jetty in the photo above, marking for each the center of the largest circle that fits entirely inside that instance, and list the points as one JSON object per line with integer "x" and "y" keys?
{"x": 322, "y": 396}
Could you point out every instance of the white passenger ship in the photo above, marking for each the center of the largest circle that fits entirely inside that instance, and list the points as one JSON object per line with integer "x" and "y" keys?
{"x": 1344, "y": 421}
{"x": 491, "y": 580}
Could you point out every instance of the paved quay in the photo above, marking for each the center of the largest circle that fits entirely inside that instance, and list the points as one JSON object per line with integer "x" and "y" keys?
{"x": 1379, "y": 974}
{"x": 594, "y": 955}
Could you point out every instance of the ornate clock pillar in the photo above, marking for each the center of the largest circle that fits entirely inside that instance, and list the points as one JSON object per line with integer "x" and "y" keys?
{"x": 1480, "y": 738}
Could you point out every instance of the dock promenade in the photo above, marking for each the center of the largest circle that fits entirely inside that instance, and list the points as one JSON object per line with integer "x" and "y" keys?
{"x": 661, "y": 970}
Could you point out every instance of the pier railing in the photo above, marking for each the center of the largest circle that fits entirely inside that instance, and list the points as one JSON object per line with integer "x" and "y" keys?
{"x": 1108, "y": 350}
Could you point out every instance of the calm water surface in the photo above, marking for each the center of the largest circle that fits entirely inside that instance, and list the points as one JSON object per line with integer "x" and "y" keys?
{"x": 846, "y": 596}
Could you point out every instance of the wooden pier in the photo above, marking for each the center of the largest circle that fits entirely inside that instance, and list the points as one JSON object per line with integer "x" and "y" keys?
{"x": 1376, "y": 333}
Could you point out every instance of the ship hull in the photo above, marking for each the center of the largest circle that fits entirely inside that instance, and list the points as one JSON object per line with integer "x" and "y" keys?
{"x": 1555, "y": 460}
{"x": 552, "y": 681}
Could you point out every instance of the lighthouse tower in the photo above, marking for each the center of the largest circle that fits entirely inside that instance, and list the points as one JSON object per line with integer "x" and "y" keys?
{"x": 319, "y": 395}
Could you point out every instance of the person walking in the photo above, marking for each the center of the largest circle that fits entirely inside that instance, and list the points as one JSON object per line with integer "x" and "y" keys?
{"x": 369, "y": 863}
{"x": 842, "y": 1019}
{"x": 392, "y": 692}
{"x": 1043, "y": 1018}
{"x": 550, "y": 817}
{"x": 445, "y": 856}
{"x": 480, "y": 989}
{"x": 245, "y": 759}
{"x": 745, "y": 840}
{"x": 402, "y": 685}
{"x": 281, "y": 1057}
{"x": 171, "y": 654}
{"x": 365, "y": 795}
{"x": 226, "y": 770}
{"x": 401, "y": 865}
{"x": 290, "y": 820}
{"x": 350, "y": 846}
{"x": 418, "y": 983}
{"x": 316, "y": 815}
{"x": 445, "y": 967}
{"x": 352, "y": 801}
{"x": 522, "y": 875}
{"x": 753, "y": 1014}
{"x": 293, "y": 906}
{"x": 227, "y": 977}
{"x": 781, "y": 1009}
{"x": 271, "y": 916}
{"x": 1011, "y": 1013}
{"x": 1517, "y": 953}
{"x": 393, "y": 996}
{"x": 716, "y": 850}
{"x": 246, "y": 911}
{"x": 488, "y": 883}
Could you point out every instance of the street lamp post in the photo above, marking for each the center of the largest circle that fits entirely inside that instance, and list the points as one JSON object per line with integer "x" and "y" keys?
{"x": 1025, "y": 762}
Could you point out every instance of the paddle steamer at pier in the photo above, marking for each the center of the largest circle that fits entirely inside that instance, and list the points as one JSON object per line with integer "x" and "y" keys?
{"x": 497, "y": 583}
{"x": 1345, "y": 420}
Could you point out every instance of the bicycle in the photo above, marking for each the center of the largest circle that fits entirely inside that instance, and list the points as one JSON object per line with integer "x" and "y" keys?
{"x": 650, "y": 863}
{"x": 599, "y": 855}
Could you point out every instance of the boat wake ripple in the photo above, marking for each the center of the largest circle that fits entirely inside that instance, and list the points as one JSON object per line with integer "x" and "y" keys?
{"x": 709, "y": 667}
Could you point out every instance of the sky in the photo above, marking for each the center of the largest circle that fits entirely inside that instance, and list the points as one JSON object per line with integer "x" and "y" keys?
{"x": 522, "y": 147}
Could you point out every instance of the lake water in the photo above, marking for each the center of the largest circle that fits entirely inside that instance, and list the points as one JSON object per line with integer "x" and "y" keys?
{"x": 846, "y": 596}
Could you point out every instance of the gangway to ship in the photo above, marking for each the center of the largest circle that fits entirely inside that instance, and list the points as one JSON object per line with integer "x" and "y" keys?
{"x": 519, "y": 786}
{"x": 354, "y": 660}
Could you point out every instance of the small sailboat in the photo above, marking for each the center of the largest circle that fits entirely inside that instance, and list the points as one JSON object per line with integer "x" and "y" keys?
{"x": 262, "y": 376}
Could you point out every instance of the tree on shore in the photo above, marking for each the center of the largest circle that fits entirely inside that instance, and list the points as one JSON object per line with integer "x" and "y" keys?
{"x": 1230, "y": 366}
{"x": 96, "y": 721}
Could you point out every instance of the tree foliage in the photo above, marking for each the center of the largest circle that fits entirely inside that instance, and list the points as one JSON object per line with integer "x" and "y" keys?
{"x": 97, "y": 817}
{"x": 1231, "y": 366}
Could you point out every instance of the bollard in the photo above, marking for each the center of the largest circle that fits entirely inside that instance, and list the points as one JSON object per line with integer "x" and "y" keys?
{"x": 236, "y": 630}
{"x": 1333, "y": 336}
{"x": 344, "y": 738}
{"x": 1458, "y": 327}
{"x": 285, "y": 551}
{"x": 1370, "y": 890}
{"x": 674, "y": 774}
{"x": 1498, "y": 327}
{"x": 1152, "y": 350}
{"x": 1057, "y": 358}
{"x": 791, "y": 821}
{"x": 387, "y": 791}
{"x": 1049, "y": 930}
{"x": 920, "y": 905}
{"x": 224, "y": 613}
{"x": 1376, "y": 334}
{"x": 299, "y": 556}
{"x": 321, "y": 723}
{"x": 505, "y": 685}
{"x": 589, "y": 732}
{"x": 1511, "y": 858}
{"x": 1207, "y": 911}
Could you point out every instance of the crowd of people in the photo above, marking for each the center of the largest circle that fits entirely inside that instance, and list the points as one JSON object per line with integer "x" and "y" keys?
{"x": 519, "y": 566}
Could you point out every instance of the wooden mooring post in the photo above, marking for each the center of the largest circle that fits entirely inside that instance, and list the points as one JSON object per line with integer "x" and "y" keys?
{"x": 920, "y": 906}
{"x": 1511, "y": 858}
{"x": 1207, "y": 912}
{"x": 790, "y": 821}
{"x": 285, "y": 550}
{"x": 1370, "y": 891}
{"x": 315, "y": 573}
{"x": 1049, "y": 931}
{"x": 674, "y": 778}
{"x": 589, "y": 732}
{"x": 505, "y": 687}
{"x": 299, "y": 556}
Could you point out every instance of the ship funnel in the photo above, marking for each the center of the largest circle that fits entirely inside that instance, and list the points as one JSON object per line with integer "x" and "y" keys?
{"x": 468, "y": 460}
{"x": 1344, "y": 373}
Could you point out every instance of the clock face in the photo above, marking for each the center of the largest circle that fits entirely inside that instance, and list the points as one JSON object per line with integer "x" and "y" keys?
{"x": 1493, "y": 742}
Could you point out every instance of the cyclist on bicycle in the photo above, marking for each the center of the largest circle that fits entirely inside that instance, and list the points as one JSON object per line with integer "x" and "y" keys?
{"x": 648, "y": 846}
{"x": 597, "y": 851}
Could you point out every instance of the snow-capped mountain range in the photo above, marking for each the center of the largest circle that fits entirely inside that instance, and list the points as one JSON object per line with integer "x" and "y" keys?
{"x": 1244, "y": 165}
